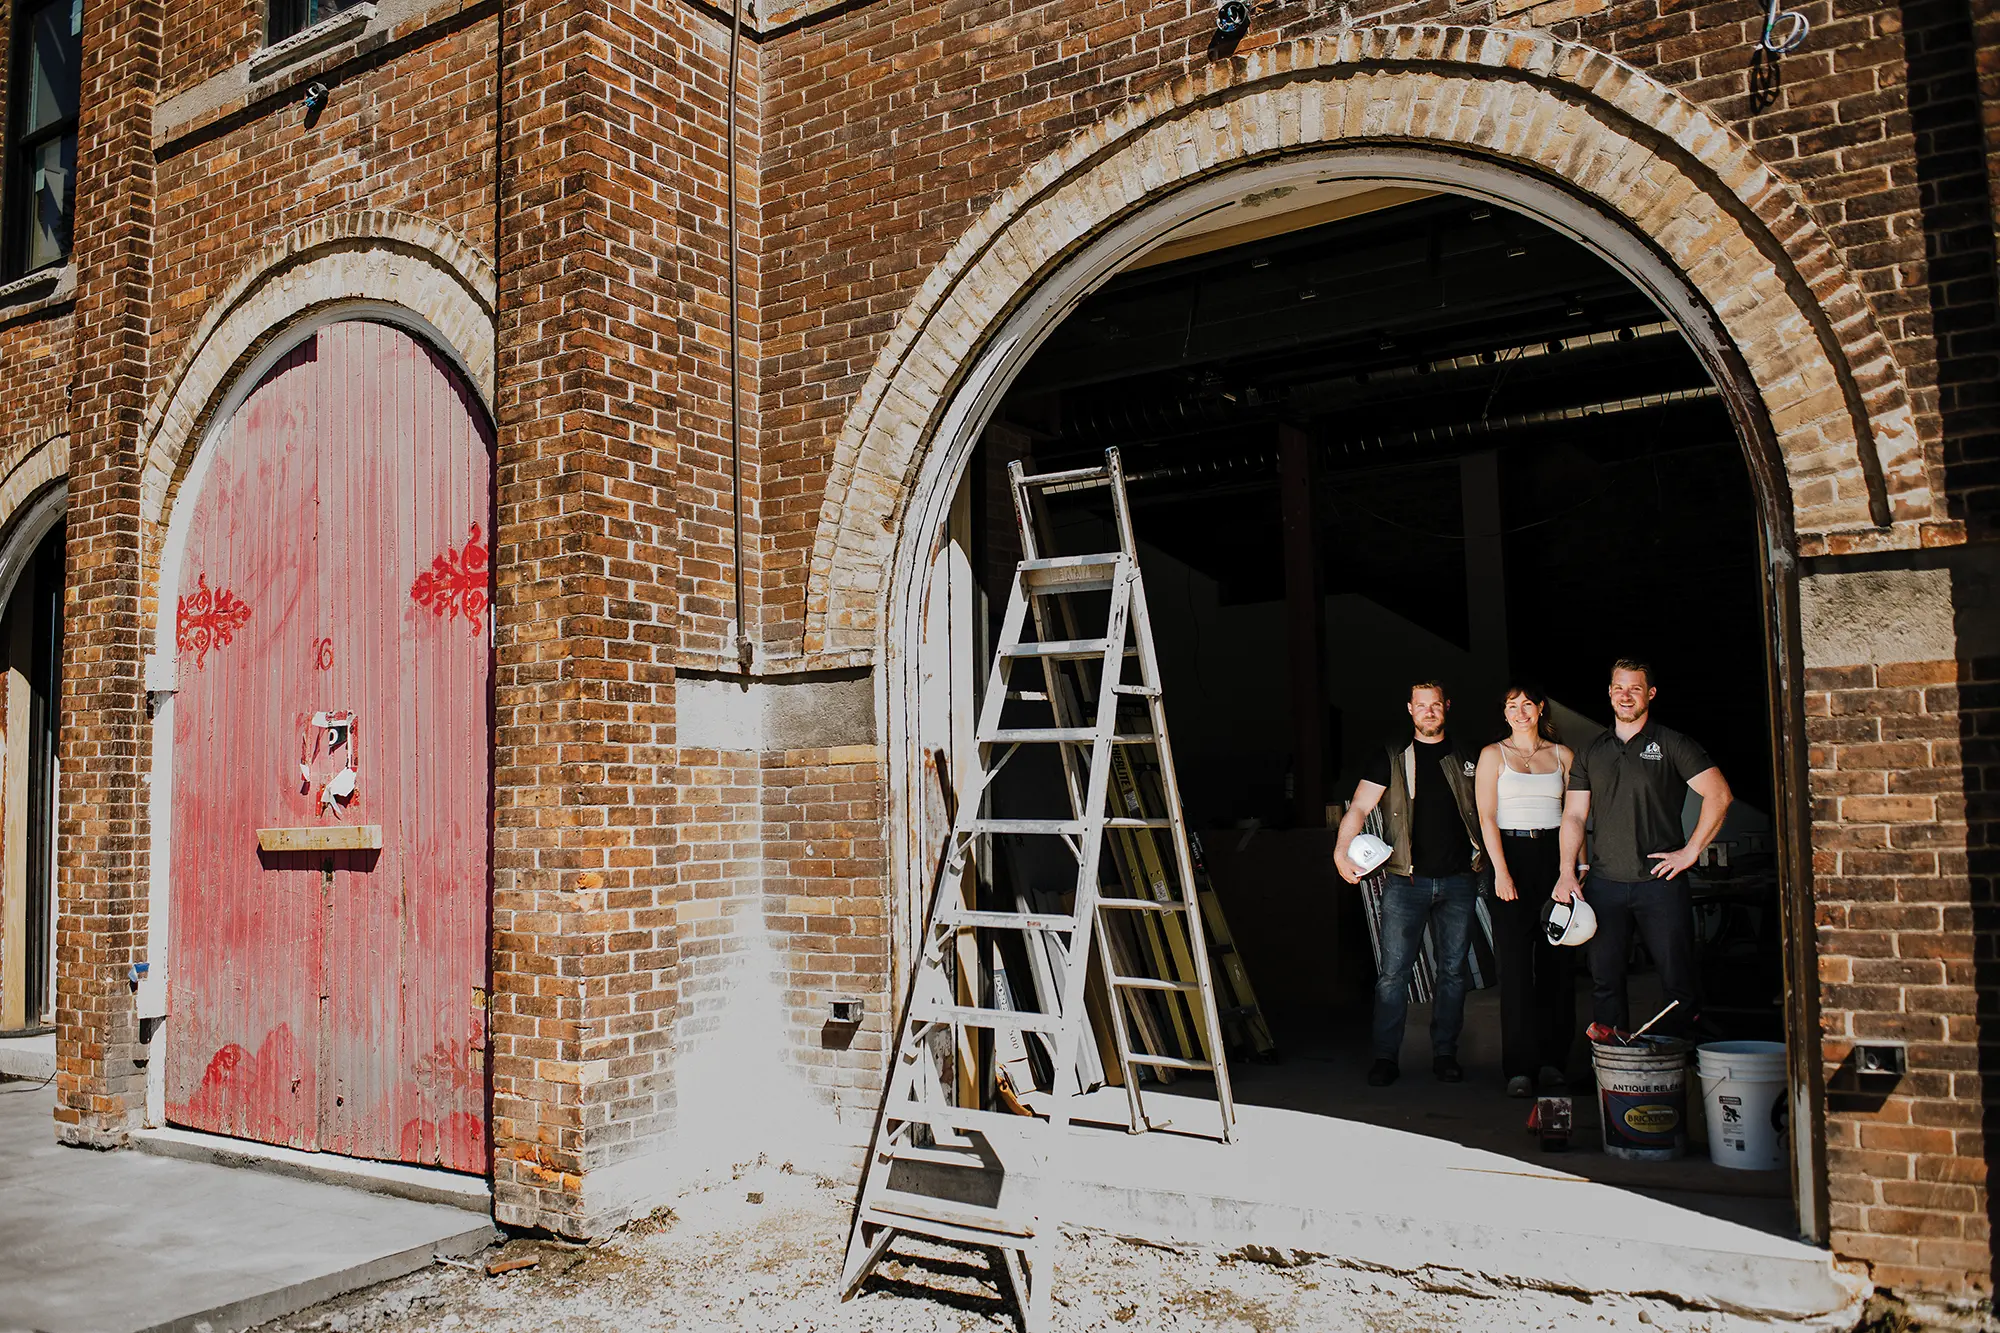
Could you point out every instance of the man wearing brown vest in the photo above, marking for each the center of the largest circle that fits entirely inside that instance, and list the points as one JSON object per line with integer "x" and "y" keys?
{"x": 1432, "y": 822}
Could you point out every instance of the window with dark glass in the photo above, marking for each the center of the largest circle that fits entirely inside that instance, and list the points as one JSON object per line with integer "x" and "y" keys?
{"x": 41, "y": 133}
{"x": 288, "y": 17}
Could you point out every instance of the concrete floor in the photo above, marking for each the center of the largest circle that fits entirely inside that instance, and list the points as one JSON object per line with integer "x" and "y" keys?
{"x": 1423, "y": 1174}
{"x": 1322, "y": 1073}
{"x": 117, "y": 1242}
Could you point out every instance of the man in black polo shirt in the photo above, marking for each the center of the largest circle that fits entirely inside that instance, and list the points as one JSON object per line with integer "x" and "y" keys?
{"x": 1633, "y": 780}
{"x": 1432, "y": 823}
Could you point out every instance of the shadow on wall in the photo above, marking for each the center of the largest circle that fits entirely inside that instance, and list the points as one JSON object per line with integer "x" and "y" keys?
{"x": 1956, "y": 200}
{"x": 1976, "y": 599}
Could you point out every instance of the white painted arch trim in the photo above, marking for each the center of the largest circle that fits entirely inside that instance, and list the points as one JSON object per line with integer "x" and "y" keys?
{"x": 951, "y": 445}
{"x": 1659, "y": 174}
{"x": 34, "y": 496}
{"x": 406, "y": 269}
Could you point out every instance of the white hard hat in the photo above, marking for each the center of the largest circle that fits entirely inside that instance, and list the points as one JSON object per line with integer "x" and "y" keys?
{"x": 1572, "y": 922}
{"x": 1367, "y": 852}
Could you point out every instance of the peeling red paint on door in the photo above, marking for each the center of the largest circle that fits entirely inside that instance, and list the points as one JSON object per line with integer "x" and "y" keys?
{"x": 332, "y": 490}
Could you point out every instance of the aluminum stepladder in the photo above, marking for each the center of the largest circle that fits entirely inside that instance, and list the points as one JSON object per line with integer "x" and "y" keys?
{"x": 917, "y": 1130}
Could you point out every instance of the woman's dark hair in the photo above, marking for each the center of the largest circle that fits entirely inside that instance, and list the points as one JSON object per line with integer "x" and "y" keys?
{"x": 1546, "y": 728}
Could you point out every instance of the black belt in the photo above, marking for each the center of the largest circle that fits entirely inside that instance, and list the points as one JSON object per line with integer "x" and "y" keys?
{"x": 1529, "y": 832}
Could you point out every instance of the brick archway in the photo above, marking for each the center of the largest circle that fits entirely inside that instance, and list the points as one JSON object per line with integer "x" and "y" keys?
{"x": 1766, "y": 281}
{"x": 414, "y": 269}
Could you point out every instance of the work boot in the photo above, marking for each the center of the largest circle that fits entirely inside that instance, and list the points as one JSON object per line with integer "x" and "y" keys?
{"x": 1553, "y": 1079}
{"x": 1520, "y": 1086}
{"x": 1447, "y": 1070}
{"x": 1382, "y": 1073}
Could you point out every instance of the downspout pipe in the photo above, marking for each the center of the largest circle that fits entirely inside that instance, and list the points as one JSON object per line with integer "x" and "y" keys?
{"x": 744, "y": 650}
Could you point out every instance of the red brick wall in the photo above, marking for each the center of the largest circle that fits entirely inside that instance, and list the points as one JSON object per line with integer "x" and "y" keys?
{"x": 894, "y": 123}
{"x": 1895, "y": 910}
{"x": 206, "y": 37}
{"x": 825, "y": 895}
{"x": 414, "y": 134}
{"x": 583, "y": 148}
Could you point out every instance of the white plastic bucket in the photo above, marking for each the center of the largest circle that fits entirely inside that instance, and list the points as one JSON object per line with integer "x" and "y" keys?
{"x": 1743, "y": 1093}
{"x": 1642, "y": 1097}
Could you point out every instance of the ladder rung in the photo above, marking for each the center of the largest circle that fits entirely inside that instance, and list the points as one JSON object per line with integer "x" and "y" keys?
{"x": 1171, "y": 1062}
{"x": 942, "y": 1116}
{"x": 1062, "y": 735}
{"x": 894, "y": 1208}
{"x": 958, "y": 916}
{"x": 1154, "y": 983}
{"x": 1061, "y": 827}
{"x": 1140, "y": 691}
{"x": 1076, "y": 476}
{"x": 1144, "y": 904}
{"x": 973, "y": 1016}
{"x": 1030, "y": 827}
{"x": 1060, "y": 648}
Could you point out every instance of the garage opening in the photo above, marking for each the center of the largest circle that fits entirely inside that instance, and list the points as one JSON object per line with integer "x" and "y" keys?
{"x": 1386, "y": 435}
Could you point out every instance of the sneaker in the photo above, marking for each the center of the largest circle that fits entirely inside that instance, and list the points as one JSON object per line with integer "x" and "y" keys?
{"x": 1520, "y": 1086}
{"x": 1382, "y": 1073}
{"x": 1552, "y": 1079}
{"x": 1447, "y": 1070}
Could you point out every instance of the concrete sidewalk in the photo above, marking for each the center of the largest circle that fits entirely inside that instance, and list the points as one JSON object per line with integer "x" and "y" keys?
{"x": 119, "y": 1242}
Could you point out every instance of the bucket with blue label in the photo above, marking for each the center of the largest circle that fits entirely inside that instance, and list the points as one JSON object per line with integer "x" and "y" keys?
{"x": 1642, "y": 1096}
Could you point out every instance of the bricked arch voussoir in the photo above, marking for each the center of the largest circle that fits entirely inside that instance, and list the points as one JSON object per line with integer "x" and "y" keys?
{"x": 390, "y": 258}
{"x": 39, "y": 460}
{"x": 1740, "y": 237}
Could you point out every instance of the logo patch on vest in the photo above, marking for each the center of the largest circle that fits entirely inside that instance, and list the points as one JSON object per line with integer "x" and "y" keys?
{"x": 1652, "y": 752}
{"x": 1471, "y": 769}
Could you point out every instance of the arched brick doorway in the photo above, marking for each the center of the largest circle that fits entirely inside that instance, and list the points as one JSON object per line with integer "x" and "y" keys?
{"x": 1558, "y": 133}
{"x": 322, "y": 793}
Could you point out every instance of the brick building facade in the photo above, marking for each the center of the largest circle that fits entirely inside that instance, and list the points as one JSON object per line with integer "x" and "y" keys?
{"x": 689, "y": 860}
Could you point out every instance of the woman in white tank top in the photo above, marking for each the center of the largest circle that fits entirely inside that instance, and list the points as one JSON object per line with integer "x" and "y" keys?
{"x": 1520, "y": 790}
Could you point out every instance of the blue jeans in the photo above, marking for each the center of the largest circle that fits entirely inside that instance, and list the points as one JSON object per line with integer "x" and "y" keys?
{"x": 1447, "y": 904}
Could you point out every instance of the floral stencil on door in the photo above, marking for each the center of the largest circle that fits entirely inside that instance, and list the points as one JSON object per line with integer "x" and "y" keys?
{"x": 455, "y": 584}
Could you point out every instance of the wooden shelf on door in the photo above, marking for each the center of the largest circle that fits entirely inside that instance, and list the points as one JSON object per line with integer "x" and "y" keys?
{"x": 331, "y": 838}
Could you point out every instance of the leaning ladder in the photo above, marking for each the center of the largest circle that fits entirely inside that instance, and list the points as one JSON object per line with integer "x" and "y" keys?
{"x": 918, "y": 1131}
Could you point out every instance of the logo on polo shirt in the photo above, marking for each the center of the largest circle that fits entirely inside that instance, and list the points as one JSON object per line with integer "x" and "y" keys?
{"x": 1652, "y": 752}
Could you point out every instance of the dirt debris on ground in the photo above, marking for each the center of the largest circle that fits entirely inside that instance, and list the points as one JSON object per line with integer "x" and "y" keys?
{"x": 762, "y": 1254}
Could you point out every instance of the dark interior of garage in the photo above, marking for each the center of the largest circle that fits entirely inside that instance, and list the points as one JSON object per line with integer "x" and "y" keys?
{"x": 1387, "y": 437}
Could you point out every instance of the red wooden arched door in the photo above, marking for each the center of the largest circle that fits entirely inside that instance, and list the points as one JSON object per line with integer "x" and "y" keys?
{"x": 326, "y": 994}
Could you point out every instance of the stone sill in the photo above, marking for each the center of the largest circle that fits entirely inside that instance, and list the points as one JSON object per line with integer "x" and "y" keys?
{"x": 38, "y": 291}
{"x": 311, "y": 41}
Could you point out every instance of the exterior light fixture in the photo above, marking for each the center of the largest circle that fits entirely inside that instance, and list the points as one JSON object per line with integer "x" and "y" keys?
{"x": 1795, "y": 25}
{"x": 1232, "y": 19}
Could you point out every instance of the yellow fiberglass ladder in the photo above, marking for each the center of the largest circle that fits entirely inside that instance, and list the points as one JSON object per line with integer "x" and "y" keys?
{"x": 956, "y": 1173}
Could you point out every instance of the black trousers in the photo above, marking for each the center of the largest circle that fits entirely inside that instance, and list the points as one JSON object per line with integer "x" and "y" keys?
{"x": 1537, "y": 979}
{"x": 1663, "y": 913}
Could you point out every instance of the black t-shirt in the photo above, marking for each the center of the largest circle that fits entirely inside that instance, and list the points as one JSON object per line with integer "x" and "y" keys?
{"x": 1439, "y": 844}
{"x": 1637, "y": 789}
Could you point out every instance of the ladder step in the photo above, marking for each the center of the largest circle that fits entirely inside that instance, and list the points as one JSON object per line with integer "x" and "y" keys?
{"x": 1052, "y": 827}
{"x": 1061, "y": 735}
{"x": 1060, "y": 648}
{"x": 962, "y": 917}
{"x": 1076, "y": 476}
{"x": 970, "y": 1226}
{"x": 1144, "y": 904}
{"x": 1154, "y": 983}
{"x": 973, "y": 1016}
{"x": 966, "y": 1118}
{"x": 1170, "y": 1062}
